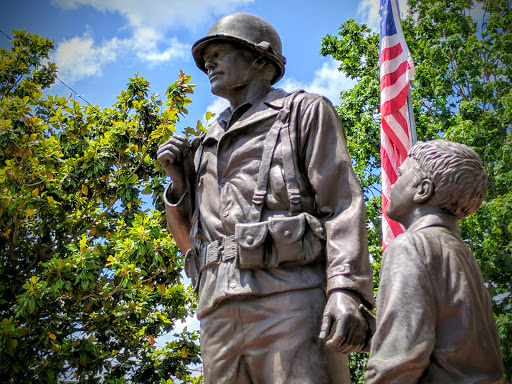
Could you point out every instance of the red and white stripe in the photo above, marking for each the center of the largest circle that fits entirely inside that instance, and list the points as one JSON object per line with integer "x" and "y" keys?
{"x": 396, "y": 71}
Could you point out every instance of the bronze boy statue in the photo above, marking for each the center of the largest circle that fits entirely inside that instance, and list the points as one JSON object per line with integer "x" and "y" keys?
{"x": 269, "y": 212}
{"x": 434, "y": 314}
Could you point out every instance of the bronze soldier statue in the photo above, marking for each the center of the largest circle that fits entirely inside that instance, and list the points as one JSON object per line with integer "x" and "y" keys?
{"x": 434, "y": 314}
{"x": 271, "y": 217}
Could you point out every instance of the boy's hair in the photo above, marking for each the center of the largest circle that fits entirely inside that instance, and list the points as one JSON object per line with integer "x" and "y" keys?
{"x": 459, "y": 178}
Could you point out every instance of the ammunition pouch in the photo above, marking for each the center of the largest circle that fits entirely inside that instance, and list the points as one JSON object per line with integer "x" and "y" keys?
{"x": 278, "y": 241}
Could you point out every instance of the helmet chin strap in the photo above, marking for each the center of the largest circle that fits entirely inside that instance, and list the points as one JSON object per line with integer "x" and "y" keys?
{"x": 249, "y": 69}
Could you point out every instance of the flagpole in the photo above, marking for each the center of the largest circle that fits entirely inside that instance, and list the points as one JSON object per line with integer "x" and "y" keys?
{"x": 411, "y": 119}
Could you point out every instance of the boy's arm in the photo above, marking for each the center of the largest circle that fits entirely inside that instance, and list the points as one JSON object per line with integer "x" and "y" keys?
{"x": 406, "y": 317}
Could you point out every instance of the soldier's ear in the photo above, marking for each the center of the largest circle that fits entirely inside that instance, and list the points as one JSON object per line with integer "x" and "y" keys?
{"x": 424, "y": 191}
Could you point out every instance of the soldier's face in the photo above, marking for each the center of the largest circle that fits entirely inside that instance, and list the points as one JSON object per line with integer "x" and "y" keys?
{"x": 229, "y": 68}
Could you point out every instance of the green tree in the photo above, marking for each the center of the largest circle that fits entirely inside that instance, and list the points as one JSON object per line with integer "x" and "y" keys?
{"x": 461, "y": 91}
{"x": 89, "y": 275}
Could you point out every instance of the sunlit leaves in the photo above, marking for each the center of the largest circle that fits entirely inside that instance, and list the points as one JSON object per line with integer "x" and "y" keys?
{"x": 461, "y": 90}
{"x": 90, "y": 276}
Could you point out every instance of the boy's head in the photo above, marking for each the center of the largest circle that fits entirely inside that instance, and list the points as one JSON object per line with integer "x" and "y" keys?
{"x": 448, "y": 175}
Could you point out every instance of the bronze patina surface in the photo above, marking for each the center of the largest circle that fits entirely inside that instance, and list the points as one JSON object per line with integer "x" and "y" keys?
{"x": 271, "y": 217}
{"x": 434, "y": 315}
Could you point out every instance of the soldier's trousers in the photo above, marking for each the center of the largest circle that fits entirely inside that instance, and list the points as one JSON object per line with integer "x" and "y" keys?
{"x": 270, "y": 339}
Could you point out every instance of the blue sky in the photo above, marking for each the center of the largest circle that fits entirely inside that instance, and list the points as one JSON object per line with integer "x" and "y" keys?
{"x": 99, "y": 44}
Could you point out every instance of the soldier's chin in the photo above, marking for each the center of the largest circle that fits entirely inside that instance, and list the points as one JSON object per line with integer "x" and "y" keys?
{"x": 217, "y": 89}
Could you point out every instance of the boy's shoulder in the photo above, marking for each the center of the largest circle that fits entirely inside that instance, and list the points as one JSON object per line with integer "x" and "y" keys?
{"x": 429, "y": 229}
{"x": 405, "y": 249}
{"x": 420, "y": 244}
{"x": 408, "y": 240}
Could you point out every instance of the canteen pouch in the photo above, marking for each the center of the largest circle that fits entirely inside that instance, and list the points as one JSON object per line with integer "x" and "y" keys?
{"x": 314, "y": 239}
{"x": 297, "y": 239}
{"x": 250, "y": 239}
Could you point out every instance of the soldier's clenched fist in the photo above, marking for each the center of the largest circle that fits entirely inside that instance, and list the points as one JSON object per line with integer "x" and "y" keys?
{"x": 177, "y": 158}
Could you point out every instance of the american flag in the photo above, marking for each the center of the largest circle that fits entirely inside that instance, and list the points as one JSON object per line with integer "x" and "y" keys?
{"x": 397, "y": 122}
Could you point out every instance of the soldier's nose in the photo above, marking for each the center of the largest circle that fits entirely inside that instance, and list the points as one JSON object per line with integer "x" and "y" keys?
{"x": 209, "y": 65}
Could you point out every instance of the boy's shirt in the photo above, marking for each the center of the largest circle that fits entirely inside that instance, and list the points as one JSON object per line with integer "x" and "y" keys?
{"x": 434, "y": 314}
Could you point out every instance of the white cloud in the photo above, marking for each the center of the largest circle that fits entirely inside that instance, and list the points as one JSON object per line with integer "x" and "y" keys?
{"x": 147, "y": 45}
{"x": 82, "y": 56}
{"x": 217, "y": 106}
{"x": 369, "y": 10}
{"x": 161, "y": 14}
{"x": 79, "y": 57}
{"x": 148, "y": 21}
{"x": 478, "y": 13}
{"x": 327, "y": 81}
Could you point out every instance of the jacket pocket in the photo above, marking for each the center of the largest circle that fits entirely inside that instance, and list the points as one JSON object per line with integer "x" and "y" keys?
{"x": 250, "y": 239}
{"x": 297, "y": 239}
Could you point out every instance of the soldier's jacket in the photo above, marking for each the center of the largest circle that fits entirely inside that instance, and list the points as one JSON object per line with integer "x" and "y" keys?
{"x": 320, "y": 243}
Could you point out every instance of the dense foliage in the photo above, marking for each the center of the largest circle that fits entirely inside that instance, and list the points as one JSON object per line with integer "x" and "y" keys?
{"x": 461, "y": 91}
{"x": 89, "y": 276}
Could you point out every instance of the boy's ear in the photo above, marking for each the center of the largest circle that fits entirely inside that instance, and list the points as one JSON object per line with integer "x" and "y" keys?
{"x": 424, "y": 191}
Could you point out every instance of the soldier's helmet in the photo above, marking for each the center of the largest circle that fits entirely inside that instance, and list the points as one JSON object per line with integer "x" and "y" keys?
{"x": 248, "y": 30}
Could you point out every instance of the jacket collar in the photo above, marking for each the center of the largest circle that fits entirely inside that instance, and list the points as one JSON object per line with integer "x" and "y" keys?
{"x": 437, "y": 220}
{"x": 259, "y": 110}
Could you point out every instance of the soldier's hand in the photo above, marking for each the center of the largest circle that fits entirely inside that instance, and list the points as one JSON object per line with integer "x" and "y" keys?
{"x": 177, "y": 159}
{"x": 342, "y": 309}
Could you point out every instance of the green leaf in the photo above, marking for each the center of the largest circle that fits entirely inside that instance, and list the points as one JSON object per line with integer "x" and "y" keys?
{"x": 133, "y": 179}
{"x": 31, "y": 305}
